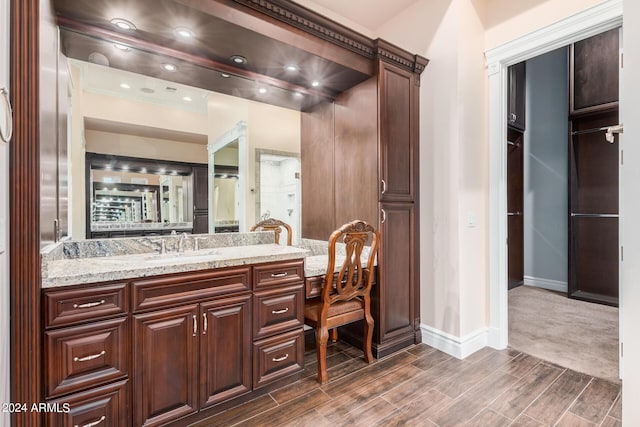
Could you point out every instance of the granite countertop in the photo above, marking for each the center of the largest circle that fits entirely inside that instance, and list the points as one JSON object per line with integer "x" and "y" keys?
{"x": 64, "y": 272}
{"x": 94, "y": 261}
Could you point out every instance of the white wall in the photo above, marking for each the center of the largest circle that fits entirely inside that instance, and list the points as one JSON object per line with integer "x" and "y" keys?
{"x": 4, "y": 223}
{"x": 545, "y": 170}
{"x": 507, "y": 20}
{"x": 630, "y": 212}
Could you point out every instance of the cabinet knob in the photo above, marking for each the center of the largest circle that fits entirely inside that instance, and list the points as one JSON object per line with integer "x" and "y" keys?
{"x": 513, "y": 117}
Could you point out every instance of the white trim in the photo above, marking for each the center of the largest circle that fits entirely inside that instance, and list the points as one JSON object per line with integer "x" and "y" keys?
{"x": 459, "y": 347}
{"x": 599, "y": 18}
{"x": 549, "y": 284}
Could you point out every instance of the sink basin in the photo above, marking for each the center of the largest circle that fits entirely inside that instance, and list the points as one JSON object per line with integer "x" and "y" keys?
{"x": 188, "y": 256}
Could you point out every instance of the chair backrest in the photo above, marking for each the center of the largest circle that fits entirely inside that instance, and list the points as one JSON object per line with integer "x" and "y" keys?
{"x": 353, "y": 279}
{"x": 275, "y": 225}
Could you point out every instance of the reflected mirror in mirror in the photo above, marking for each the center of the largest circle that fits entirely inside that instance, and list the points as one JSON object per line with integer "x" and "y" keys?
{"x": 126, "y": 115}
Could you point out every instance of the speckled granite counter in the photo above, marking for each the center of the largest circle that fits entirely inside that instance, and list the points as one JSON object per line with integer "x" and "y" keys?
{"x": 99, "y": 269}
{"x": 92, "y": 261}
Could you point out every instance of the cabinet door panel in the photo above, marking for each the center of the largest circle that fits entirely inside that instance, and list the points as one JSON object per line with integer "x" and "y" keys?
{"x": 595, "y": 71}
{"x": 225, "y": 349}
{"x": 165, "y": 354}
{"x": 398, "y": 114}
{"x": 395, "y": 298}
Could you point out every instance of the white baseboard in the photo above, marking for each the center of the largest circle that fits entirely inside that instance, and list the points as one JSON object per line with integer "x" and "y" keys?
{"x": 458, "y": 347}
{"x": 552, "y": 285}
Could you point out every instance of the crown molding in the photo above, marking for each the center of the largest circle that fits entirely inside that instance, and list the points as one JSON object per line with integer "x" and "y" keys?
{"x": 312, "y": 23}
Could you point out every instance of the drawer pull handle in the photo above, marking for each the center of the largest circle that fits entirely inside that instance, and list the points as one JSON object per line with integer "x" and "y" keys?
{"x": 284, "y": 310}
{"x": 195, "y": 325}
{"x": 87, "y": 358}
{"x": 280, "y": 359}
{"x": 285, "y": 274}
{"x": 89, "y": 304}
{"x": 204, "y": 329}
{"x": 93, "y": 424}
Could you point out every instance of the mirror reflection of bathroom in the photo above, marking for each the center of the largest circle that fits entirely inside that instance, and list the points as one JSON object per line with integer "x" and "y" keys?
{"x": 279, "y": 188}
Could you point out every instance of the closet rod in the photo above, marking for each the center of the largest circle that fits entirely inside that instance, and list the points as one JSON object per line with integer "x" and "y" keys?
{"x": 593, "y": 130}
{"x": 583, "y": 215}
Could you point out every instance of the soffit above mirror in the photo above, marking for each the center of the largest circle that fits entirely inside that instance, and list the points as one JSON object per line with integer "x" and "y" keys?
{"x": 205, "y": 58}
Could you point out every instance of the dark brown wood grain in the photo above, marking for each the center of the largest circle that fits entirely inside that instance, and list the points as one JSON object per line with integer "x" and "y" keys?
{"x": 398, "y": 137}
{"x": 317, "y": 148}
{"x": 24, "y": 203}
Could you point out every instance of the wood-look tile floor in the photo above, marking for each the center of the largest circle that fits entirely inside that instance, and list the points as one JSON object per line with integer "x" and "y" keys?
{"x": 422, "y": 386}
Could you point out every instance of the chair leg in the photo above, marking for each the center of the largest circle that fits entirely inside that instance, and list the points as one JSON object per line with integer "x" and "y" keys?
{"x": 368, "y": 337}
{"x": 334, "y": 335}
{"x": 322, "y": 335}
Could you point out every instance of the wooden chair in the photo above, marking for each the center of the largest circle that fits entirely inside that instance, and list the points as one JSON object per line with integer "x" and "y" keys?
{"x": 345, "y": 296}
{"x": 275, "y": 225}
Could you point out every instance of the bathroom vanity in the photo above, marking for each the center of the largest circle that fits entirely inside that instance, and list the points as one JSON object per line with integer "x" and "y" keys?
{"x": 188, "y": 333}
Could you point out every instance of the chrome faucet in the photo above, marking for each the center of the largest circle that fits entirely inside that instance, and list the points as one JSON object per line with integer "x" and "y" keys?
{"x": 183, "y": 236}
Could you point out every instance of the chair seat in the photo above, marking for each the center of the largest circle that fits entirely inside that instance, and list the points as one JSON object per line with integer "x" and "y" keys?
{"x": 352, "y": 308}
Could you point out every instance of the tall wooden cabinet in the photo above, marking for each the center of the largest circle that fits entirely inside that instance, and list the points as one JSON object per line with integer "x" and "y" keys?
{"x": 372, "y": 169}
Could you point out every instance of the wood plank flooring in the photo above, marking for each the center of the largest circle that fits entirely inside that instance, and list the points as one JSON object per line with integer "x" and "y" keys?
{"x": 422, "y": 386}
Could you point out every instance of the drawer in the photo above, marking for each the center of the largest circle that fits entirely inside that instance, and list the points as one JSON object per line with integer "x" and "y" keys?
{"x": 85, "y": 356}
{"x": 159, "y": 292}
{"x": 277, "y": 357}
{"x": 278, "y": 274}
{"x": 278, "y": 310}
{"x": 106, "y": 406}
{"x": 70, "y": 306}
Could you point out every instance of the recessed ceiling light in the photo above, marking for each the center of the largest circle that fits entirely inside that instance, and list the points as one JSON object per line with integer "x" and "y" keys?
{"x": 298, "y": 94}
{"x": 107, "y": 167}
{"x": 162, "y": 170}
{"x": 123, "y": 24}
{"x": 187, "y": 98}
{"x": 125, "y": 86}
{"x": 238, "y": 59}
{"x": 121, "y": 47}
{"x": 169, "y": 67}
{"x": 315, "y": 83}
{"x": 143, "y": 170}
{"x": 291, "y": 67}
{"x": 225, "y": 75}
{"x": 125, "y": 167}
{"x": 262, "y": 90}
{"x": 184, "y": 33}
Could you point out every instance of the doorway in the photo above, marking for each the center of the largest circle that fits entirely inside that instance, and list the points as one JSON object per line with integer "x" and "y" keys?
{"x": 590, "y": 22}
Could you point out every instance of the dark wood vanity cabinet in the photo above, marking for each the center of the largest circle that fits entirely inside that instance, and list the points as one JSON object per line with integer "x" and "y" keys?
{"x": 180, "y": 344}
{"x": 86, "y": 346}
{"x": 373, "y": 161}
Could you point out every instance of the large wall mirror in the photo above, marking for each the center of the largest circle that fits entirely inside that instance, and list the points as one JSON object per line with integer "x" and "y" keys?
{"x": 138, "y": 144}
{"x": 164, "y": 82}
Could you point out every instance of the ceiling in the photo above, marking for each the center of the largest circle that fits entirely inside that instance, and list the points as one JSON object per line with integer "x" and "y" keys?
{"x": 371, "y": 14}
{"x": 87, "y": 32}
